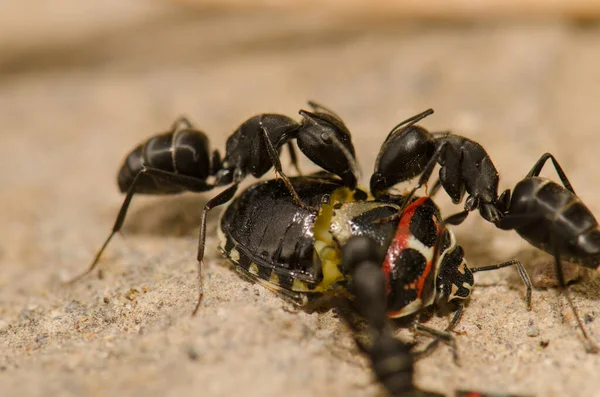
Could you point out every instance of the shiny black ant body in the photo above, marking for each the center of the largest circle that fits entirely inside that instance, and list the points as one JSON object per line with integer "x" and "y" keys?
{"x": 552, "y": 218}
{"x": 180, "y": 160}
{"x": 549, "y": 216}
{"x": 392, "y": 360}
{"x": 409, "y": 150}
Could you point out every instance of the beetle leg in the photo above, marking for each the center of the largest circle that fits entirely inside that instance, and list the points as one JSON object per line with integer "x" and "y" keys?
{"x": 522, "y": 272}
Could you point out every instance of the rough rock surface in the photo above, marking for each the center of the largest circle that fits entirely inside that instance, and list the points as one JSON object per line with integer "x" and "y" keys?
{"x": 75, "y": 99}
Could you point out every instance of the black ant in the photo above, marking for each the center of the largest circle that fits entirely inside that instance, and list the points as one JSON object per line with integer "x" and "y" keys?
{"x": 552, "y": 218}
{"x": 410, "y": 149}
{"x": 391, "y": 359}
{"x": 179, "y": 160}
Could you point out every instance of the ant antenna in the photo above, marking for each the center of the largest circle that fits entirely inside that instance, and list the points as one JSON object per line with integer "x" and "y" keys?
{"x": 410, "y": 121}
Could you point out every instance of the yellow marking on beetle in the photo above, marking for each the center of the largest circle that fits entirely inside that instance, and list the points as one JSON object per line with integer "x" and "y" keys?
{"x": 461, "y": 267}
{"x": 234, "y": 255}
{"x": 411, "y": 308}
{"x": 300, "y": 286}
{"x": 326, "y": 249}
{"x": 274, "y": 279}
{"x": 253, "y": 269}
{"x": 453, "y": 293}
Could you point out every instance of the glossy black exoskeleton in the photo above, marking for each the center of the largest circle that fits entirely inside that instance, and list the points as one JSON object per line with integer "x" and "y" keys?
{"x": 179, "y": 160}
{"x": 552, "y": 218}
{"x": 298, "y": 253}
{"x": 392, "y": 360}
{"x": 409, "y": 150}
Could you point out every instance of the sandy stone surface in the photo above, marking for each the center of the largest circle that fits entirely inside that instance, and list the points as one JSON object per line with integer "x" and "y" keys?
{"x": 74, "y": 101}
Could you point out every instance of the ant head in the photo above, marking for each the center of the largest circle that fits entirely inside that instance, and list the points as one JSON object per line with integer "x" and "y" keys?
{"x": 325, "y": 140}
{"x": 403, "y": 155}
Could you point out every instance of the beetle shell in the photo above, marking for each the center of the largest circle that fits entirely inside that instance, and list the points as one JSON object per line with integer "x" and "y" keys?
{"x": 291, "y": 250}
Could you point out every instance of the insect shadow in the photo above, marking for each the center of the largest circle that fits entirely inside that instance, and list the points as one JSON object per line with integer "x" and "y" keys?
{"x": 175, "y": 216}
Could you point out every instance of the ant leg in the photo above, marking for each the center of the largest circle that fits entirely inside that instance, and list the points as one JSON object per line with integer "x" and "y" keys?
{"x": 219, "y": 199}
{"x": 184, "y": 181}
{"x": 537, "y": 168}
{"x": 441, "y": 335}
{"x": 522, "y": 272}
{"x": 456, "y": 219}
{"x": 181, "y": 123}
{"x": 293, "y": 157}
{"x": 274, "y": 157}
{"x": 590, "y": 346}
{"x": 436, "y": 186}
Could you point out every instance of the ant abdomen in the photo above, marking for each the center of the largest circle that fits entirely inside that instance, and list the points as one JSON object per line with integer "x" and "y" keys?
{"x": 184, "y": 152}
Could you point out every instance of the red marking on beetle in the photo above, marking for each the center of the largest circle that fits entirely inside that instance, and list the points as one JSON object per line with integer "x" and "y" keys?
{"x": 399, "y": 243}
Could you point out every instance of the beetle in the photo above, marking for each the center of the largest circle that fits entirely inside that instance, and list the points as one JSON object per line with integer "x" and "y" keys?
{"x": 392, "y": 360}
{"x": 553, "y": 218}
{"x": 305, "y": 261}
{"x": 297, "y": 253}
{"x": 180, "y": 160}
{"x": 410, "y": 149}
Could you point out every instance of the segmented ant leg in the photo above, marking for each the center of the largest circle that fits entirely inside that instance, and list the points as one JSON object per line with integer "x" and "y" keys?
{"x": 441, "y": 336}
{"x": 293, "y": 157}
{"x": 457, "y": 218}
{"x": 274, "y": 157}
{"x": 522, "y": 272}
{"x": 219, "y": 199}
{"x": 186, "y": 182}
{"x": 181, "y": 123}
{"x": 590, "y": 346}
{"x": 537, "y": 168}
{"x": 436, "y": 186}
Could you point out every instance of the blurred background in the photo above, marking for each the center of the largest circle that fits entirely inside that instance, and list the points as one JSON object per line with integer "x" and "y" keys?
{"x": 81, "y": 83}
